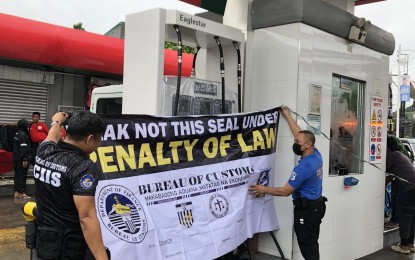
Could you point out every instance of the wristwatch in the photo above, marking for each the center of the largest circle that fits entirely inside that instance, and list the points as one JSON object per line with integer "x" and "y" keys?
{"x": 56, "y": 122}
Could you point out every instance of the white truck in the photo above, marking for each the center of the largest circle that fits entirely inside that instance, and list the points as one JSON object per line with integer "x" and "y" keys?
{"x": 107, "y": 100}
{"x": 197, "y": 97}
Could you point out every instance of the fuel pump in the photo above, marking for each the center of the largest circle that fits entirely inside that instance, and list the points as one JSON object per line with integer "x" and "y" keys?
{"x": 205, "y": 92}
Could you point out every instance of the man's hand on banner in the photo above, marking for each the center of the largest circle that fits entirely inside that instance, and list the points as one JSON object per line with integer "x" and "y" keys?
{"x": 260, "y": 190}
{"x": 284, "y": 110}
{"x": 257, "y": 190}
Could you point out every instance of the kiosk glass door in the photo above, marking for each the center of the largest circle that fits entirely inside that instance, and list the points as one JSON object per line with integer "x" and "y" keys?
{"x": 346, "y": 124}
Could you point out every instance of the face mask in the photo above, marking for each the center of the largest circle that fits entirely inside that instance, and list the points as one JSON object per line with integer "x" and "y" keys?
{"x": 297, "y": 149}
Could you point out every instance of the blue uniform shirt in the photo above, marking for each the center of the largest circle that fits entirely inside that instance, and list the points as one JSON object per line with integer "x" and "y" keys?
{"x": 307, "y": 176}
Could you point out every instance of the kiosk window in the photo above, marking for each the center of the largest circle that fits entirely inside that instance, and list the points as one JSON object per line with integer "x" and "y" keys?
{"x": 346, "y": 126}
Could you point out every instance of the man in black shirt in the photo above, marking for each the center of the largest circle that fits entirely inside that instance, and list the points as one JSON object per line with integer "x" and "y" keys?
{"x": 65, "y": 183}
{"x": 21, "y": 159}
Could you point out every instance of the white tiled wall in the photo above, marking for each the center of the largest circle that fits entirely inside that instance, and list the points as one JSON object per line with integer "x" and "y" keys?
{"x": 286, "y": 60}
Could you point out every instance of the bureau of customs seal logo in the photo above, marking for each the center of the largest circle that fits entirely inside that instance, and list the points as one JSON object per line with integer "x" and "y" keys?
{"x": 122, "y": 214}
{"x": 219, "y": 205}
{"x": 87, "y": 181}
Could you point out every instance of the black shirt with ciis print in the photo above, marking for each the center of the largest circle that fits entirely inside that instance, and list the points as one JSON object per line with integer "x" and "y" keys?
{"x": 61, "y": 171}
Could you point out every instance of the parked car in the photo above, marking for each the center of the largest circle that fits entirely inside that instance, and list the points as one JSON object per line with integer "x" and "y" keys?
{"x": 409, "y": 145}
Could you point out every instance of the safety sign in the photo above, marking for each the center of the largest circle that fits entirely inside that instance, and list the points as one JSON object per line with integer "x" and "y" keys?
{"x": 376, "y": 124}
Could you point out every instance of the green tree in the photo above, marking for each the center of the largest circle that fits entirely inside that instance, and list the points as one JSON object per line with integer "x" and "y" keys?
{"x": 78, "y": 26}
{"x": 173, "y": 46}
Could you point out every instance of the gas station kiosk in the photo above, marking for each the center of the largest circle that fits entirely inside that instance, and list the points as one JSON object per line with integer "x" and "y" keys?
{"x": 328, "y": 66}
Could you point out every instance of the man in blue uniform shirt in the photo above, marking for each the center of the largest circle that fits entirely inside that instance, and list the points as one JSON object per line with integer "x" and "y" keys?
{"x": 305, "y": 185}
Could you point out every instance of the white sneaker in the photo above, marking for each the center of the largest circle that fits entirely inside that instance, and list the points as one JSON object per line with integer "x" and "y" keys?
{"x": 399, "y": 249}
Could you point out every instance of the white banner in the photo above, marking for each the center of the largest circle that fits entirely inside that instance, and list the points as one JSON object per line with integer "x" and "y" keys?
{"x": 197, "y": 212}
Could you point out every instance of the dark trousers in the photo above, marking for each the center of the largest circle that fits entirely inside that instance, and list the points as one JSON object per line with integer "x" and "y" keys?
{"x": 34, "y": 151}
{"x": 407, "y": 218}
{"x": 88, "y": 255}
{"x": 307, "y": 228}
{"x": 396, "y": 195}
{"x": 20, "y": 175}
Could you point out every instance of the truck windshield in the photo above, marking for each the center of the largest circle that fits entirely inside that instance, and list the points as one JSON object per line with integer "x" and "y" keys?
{"x": 112, "y": 106}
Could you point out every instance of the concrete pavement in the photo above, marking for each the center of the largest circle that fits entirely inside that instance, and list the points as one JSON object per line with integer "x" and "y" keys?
{"x": 12, "y": 245}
